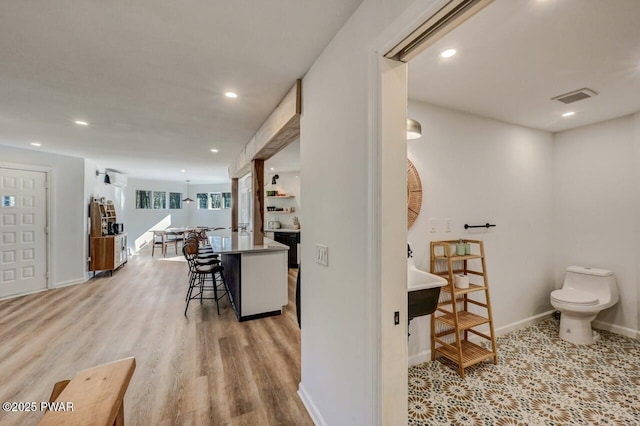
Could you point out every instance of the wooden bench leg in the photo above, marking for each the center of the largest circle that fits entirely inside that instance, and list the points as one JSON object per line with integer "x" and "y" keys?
{"x": 119, "y": 421}
{"x": 57, "y": 390}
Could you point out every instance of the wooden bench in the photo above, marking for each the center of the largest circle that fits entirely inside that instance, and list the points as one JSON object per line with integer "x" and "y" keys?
{"x": 97, "y": 395}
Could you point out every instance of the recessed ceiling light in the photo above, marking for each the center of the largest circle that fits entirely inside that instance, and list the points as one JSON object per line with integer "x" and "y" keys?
{"x": 231, "y": 95}
{"x": 214, "y": 150}
{"x": 568, "y": 114}
{"x": 271, "y": 168}
{"x": 448, "y": 53}
{"x": 36, "y": 144}
{"x": 81, "y": 123}
{"x": 183, "y": 171}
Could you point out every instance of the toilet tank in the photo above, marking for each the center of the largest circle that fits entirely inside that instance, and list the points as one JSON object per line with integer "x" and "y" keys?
{"x": 600, "y": 282}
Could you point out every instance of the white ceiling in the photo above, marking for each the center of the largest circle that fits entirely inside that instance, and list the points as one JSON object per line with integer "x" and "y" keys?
{"x": 514, "y": 56}
{"x": 287, "y": 160}
{"x": 150, "y": 76}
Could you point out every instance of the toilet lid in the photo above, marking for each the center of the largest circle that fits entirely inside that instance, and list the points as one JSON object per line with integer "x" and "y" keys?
{"x": 575, "y": 297}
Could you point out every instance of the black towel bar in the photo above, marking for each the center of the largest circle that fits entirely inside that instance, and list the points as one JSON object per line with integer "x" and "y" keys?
{"x": 486, "y": 225}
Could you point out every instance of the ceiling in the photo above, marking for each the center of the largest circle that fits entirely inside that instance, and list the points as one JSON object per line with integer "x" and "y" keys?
{"x": 287, "y": 160}
{"x": 150, "y": 77}
{"x": 514, "y": 56}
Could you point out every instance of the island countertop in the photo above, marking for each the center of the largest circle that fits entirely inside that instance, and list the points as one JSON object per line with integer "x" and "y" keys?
{"x": 241, "y": 242}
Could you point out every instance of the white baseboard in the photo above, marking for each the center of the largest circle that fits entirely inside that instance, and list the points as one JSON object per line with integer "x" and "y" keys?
{"x": 13, "y": 296}
{"x": 629, "y": 332}
{"x": 58, "y": 285}
{"x": 420, "y": 358}
{"x": 71, "y": 282}
{"x": 426, "y": 355}
{"x": 500, "y": 331}
{"x": 313, "y": 411}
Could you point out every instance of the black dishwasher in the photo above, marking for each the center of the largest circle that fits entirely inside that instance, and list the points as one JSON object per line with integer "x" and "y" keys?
{"x": 290, "y": 239}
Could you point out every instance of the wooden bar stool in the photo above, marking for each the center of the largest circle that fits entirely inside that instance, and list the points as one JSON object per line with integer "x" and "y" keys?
{"x": 199, "y": 271}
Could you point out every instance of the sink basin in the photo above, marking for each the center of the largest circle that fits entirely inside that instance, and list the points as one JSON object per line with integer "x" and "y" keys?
{"x": 421, "y": 280}
{"x": 423, "y": 291}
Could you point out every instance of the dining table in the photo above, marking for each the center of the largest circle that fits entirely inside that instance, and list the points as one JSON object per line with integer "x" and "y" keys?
{"x": 175, "y": 234}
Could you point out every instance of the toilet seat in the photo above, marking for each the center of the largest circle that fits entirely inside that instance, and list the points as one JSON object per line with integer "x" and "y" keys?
{"x": 575, "y": 297}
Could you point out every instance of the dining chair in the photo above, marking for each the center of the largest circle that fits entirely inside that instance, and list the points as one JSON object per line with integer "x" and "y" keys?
{"x": 172, "y": 238}
{"x": 158, "y": 241}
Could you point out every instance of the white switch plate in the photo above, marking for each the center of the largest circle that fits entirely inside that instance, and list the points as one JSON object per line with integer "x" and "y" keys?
{"x": 433, "y": 225}
{"x": 322, "y": 255}
{"x": 447, "y": 224}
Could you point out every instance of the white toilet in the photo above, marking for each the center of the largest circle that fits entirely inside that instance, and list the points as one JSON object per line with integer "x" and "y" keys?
{"x": 585, "y": 292}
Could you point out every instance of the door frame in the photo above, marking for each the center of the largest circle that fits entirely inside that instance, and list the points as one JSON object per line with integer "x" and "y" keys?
{"x": 390, "y": 406}
{"x": 49, "y": 176}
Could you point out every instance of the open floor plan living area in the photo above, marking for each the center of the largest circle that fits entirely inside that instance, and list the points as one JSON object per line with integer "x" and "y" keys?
{"x": 337, "y": 212}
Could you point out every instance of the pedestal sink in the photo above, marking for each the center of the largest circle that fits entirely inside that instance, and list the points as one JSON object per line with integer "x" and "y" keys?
{"x": 423, "y": 290}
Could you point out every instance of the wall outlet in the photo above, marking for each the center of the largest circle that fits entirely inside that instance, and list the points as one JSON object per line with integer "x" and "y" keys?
{"x": 433, "y": 225}
{"x": 322, "y": 255}
{"x": 447, "y": 224}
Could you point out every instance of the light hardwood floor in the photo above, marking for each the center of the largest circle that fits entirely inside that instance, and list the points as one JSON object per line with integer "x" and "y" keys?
{"x": 199, "y": 370}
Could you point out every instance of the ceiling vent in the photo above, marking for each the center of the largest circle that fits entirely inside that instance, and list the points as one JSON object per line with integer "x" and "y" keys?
{"x": 575, "y": 96}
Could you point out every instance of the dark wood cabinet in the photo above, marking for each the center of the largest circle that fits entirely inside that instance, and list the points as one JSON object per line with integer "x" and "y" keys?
{"x": 291, "y": 239}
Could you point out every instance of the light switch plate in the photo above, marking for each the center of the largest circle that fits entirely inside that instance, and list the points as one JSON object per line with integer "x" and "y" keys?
{"x": 447, "y": 224}
{"x": 322, "y": 255}
{"x": 433, "y": 225}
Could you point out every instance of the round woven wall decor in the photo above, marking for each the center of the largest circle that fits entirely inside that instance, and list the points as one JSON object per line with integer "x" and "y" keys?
{"x": 414, "y": 194}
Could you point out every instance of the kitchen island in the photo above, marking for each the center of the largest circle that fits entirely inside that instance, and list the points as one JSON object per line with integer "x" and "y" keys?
{"x": 289, "y": 237}
{"x": 256, "y": 275}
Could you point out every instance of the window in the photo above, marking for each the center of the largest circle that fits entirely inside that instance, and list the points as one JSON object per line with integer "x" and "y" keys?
{"x": 159, "y": 200}
{"x": 226, "y": 200}
{"x": 203, "y": 201}
{"x": 175, "y": 200}
{"x": 244, "y": 201}
{"x": 8, "y": 201}
{"x": 216, "y": 200}
{"x": 143, "y": 199}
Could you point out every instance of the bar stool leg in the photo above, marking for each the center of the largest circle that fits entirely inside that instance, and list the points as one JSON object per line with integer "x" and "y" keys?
{"x": 215, "y": 290}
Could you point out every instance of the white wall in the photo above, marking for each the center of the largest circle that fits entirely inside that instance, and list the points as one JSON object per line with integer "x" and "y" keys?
{"x": 288, "y": 183}
{"x": 340, "y": 373}
{"x": 139, "y": 222}
{"x": 476, "y": 170}
{"x": 67, "y": 210}
{"x": 636, "y": 178}
{"x": 596, "y": 207}
{"x": 94, "y": 186}
{"x": 209, "y": 218}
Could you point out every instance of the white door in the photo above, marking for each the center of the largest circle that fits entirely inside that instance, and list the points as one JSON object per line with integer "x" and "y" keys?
{"x": 23, "y": 238}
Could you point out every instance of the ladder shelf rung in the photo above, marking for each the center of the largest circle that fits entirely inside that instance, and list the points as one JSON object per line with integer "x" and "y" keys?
{"x": 459, "y": 258}
{"x": 475, "y": 302}
{"x": 472, "y": 288}
{"x": 466, "y": 320}
{"x": 471, "y": 353}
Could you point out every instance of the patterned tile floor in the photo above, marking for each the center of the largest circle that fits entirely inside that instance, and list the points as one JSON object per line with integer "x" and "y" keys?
{"x": 539, "y": 380}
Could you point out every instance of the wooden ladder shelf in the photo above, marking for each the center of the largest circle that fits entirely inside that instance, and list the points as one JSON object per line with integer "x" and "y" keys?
{"x": 452, "y": 323}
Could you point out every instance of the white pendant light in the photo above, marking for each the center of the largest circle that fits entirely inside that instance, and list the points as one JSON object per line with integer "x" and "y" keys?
{"x": 414, "y": 129}
{"x": 187, "y": 200}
